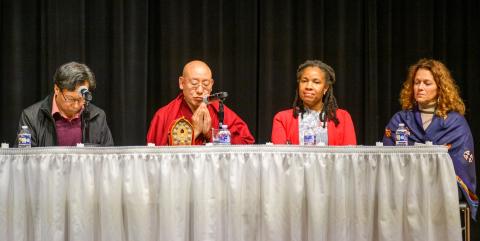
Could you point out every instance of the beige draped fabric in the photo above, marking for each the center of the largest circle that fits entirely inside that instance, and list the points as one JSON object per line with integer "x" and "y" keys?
{"x": 228, "y": 193}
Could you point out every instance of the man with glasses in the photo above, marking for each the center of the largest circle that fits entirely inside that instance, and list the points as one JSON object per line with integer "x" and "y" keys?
{"x": 62, "y": 118}
{"x": 187, "y": 120}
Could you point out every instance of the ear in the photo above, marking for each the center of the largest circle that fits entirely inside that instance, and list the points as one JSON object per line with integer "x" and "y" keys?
{"x": 56, "y": 90}
{"x": 181, "y": 82}
{"x": 325, "y": 90}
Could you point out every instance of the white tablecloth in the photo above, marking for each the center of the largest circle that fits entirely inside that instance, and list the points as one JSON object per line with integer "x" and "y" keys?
{"x": 228, "y": 193}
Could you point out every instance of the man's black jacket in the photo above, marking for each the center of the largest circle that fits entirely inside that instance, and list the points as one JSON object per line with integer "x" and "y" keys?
{"x": 38, "y": 118}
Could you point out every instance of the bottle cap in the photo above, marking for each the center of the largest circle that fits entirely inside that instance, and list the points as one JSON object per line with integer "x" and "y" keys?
{"x": 24, "y": 127}
{"x": 401, "y": 124}
{"x": 224, "y": 126}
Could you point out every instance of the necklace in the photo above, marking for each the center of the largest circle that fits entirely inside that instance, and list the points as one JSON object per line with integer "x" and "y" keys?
{"x": 428, "y": 120}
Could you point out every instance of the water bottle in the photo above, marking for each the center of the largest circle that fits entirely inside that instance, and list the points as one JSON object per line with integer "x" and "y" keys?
{"x": 24, "y": 137}
{"x": 309, "y": 137}
{"x": 401, "y": 135}
{"x": 224, "y": 135}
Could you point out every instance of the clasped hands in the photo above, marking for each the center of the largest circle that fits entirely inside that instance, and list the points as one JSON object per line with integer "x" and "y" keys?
{"x": 202, "y": 123}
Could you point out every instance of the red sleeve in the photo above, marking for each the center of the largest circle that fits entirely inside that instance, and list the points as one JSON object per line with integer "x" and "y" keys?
{"x": 349, "y": 137}
{"x": 152, "y": 131}
{"x": 157, "y": 132}
{"x": 285, "y": 128}
{"x": 279, "y": 131}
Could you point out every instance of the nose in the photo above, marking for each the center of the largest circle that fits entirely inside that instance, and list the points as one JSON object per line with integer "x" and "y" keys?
{"x": 308, "y": 85}
{"x": 421, "y": 86}
{"x": 200, "y": 89}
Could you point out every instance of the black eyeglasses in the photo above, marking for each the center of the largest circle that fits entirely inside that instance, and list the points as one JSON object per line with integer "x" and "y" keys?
{"x": 72, "y": 100}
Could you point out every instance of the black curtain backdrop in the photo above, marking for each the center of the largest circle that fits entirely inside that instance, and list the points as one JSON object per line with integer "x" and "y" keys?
{"x": 137, "y": 49}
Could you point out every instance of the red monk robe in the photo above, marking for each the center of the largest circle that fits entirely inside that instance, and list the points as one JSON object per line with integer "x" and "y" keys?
{"x": 166, "y": 116}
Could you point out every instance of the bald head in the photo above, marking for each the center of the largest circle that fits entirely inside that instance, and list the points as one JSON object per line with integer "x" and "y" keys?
{"x": 196, "y": 67}
{"x": 196, "y": 82}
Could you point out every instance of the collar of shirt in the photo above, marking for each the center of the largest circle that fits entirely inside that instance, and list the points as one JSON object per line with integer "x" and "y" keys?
{"x": 428, "y": 109}
{"x": 310, "y": 111}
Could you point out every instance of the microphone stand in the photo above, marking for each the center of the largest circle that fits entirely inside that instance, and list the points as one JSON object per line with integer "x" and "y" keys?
{"x": 220, "y": 112}
{"x": 85, "y": 123}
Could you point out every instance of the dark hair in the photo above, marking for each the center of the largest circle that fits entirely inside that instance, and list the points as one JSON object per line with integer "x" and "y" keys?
{"x": 70, "y": 75}
{"x": 330, "y": 106}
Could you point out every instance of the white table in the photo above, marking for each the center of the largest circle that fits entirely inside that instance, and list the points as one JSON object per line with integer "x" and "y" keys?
{"x": 228, "y": 193}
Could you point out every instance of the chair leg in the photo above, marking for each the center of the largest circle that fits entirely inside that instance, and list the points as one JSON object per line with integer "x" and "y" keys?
{"x": 465, "y": 209}
{"x": 467, "y": 223}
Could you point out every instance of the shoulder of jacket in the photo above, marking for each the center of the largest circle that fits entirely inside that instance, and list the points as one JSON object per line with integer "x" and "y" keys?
{"x": 35, "y": 108}
{"x": 287, "y": 112}
{"x": 95, "y": 110}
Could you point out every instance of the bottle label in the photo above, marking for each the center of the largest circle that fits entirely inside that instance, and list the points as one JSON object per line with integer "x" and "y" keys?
{"x": 24, "y": 139}
{"x": 401, "y": 138}
{"x": 309, "y": 139}
{"x": 224, "y": 137}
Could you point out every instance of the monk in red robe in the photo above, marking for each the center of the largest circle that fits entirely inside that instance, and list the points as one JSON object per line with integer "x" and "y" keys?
{"x": 196, "y": 82}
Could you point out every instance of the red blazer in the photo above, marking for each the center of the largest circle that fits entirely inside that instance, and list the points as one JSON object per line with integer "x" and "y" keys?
{"x": 285, "y": 129}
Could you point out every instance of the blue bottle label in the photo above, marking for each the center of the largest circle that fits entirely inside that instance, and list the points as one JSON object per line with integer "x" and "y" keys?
{"x": 224, "y": 137}
{"x": 309, "y": 140}
{"x": 24, "y": 139}
{"x": 401, "y": 138}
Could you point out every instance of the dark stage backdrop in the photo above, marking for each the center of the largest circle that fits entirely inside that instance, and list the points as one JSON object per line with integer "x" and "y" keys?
{"x": 137, "y": 49}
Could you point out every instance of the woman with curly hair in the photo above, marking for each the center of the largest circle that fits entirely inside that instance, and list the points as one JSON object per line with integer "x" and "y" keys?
{"x": 314, "y": 111}
{"x": 432, "y": 110}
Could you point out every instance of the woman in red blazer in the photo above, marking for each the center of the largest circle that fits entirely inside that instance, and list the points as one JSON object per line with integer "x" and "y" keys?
{"x": 315, "y": 108}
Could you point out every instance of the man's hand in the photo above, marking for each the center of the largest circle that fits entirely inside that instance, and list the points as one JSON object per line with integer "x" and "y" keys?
{"x": 202, "y": 123}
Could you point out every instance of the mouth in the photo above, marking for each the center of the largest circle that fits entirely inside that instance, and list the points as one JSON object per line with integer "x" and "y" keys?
{"x": 308, "y": 95}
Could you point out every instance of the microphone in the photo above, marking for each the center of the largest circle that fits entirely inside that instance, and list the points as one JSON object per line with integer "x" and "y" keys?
{"x": 217, "y": 96}
{"x": 87, "y": 96}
